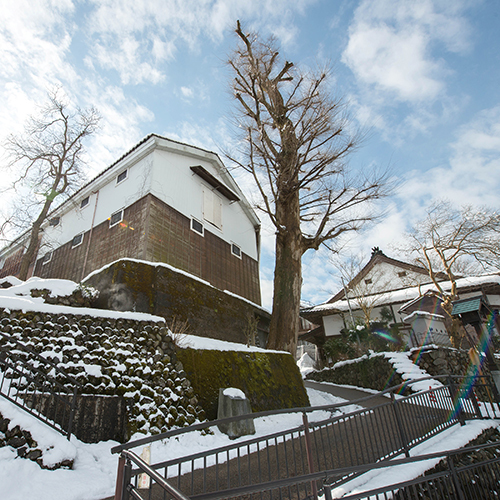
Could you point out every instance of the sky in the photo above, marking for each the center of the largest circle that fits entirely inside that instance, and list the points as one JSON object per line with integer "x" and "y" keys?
{"x": 422, "y": 79}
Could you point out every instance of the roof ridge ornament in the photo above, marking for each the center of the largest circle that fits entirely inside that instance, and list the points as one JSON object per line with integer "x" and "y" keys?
{"x": 377, "y": 251}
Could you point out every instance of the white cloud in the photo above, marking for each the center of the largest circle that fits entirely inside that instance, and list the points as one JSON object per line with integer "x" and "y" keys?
{"x": 473, "y": 173}
{"x": 391, "y": 45}
{"x": 139, "y": 36}
{"x": 120, "y": 127}
{"x": 126, "y": 59}
{"x": 187, "y": 92}
{"x": 400, "y": 62}
{"x": 318, "y": 281}
{"x": 35, "y": 39}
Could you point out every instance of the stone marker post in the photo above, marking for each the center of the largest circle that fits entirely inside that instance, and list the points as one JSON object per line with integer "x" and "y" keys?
{"x": 233, "y": 402}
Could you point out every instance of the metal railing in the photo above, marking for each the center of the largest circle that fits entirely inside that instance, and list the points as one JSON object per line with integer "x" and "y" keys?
{"x": 37, "y": 385}
{"x": 339, "y": 442}
{"x": 123, "y": 480}
{"x": 476, "y": 480}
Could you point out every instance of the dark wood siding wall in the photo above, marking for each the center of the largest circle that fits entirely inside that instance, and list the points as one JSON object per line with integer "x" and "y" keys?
{"x": 153, "y": 231}
{"x": 170, "y": 239}
{"x": 125, "y": 239}
{"x": 12, "y": 264}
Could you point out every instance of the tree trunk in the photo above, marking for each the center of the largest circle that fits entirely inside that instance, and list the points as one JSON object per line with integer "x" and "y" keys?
{"x": 284, "y": 327}
{"x": 30, "y": 253}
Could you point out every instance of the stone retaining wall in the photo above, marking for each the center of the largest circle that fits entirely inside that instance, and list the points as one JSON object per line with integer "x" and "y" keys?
{"x": 116, "y": 357}
{"x": 24, "y": 444}
{"x": 443, "y": 361}
{"x": 374, "y": 372}
{"x": 129, "y": 285}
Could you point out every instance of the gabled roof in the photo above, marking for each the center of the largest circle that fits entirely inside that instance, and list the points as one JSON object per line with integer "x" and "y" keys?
{"x": 430, "y": 297}
{"x": 467, "y": 305}
{"x": 489, "y": 283}
{"x": 164, "y": 143}
{"x": 379, "y": 257}
{"x": 141, "y": 148}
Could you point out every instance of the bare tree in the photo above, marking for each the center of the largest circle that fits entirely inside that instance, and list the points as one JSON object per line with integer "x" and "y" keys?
{"x": 48, "y": 159}
{"x": 452, "y": 241}
{"x": 297, "y": 137}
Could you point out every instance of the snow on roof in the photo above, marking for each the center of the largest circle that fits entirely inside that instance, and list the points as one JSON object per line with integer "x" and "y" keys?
{"x": 429, "y": 315}
{"x": 405, "y": 294}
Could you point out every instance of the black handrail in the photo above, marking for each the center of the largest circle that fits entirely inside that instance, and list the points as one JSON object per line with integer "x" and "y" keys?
{"x": 378, "y": 433}
{"x": 37, "y": 385}
{"x": 145, "y": 468}
{"x": 324, "y": 477}
{"x": 281, "y": 411}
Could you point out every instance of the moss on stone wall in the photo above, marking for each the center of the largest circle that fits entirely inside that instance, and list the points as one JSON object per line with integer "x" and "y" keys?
{"x": 374, "y": 372}
{"x": 270, "y": 380}
{"x": 129, "y": 285}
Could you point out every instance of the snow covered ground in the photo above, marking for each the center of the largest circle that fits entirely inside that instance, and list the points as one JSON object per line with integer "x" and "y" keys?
{"x": 452, "y": 438}
{"x": 94, "y": 474}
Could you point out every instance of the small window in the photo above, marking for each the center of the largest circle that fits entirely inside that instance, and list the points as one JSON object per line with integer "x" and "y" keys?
{"x": 84, "y": 202}
{"x": 197, "y": 226}
{"x": 368, "y": 281}
{"x": 236, "y": 250}
{"x": 55, "y": 221}
{"x": 77, "y": 240}
{"x": 47, "y": 258}
{"x": 116, "y": 218}
{"x": 121, "y": 177}
{"x": 402, "y": 274}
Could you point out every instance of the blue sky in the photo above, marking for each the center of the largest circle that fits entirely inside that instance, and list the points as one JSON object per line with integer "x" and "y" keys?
{"x": 421, "y": 77}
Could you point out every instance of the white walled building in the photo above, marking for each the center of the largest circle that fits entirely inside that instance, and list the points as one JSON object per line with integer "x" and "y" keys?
{"x": 163, "y": 201}
{"x": 400, "y": 287}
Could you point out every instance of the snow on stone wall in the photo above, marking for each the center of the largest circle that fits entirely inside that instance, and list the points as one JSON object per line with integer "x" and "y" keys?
{"x": 108, "y": 356}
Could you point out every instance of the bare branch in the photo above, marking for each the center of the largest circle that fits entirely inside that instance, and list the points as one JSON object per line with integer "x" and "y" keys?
{"x": 451, "y": 240}
{"x": 48, "y": 160}
{"x": 297, "y": 140}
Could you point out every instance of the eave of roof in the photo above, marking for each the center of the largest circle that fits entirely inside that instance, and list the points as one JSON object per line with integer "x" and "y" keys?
{"x": 376, "y": 259}
{"x": 61, "y": 208}
{"x": 489, "y": 282}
